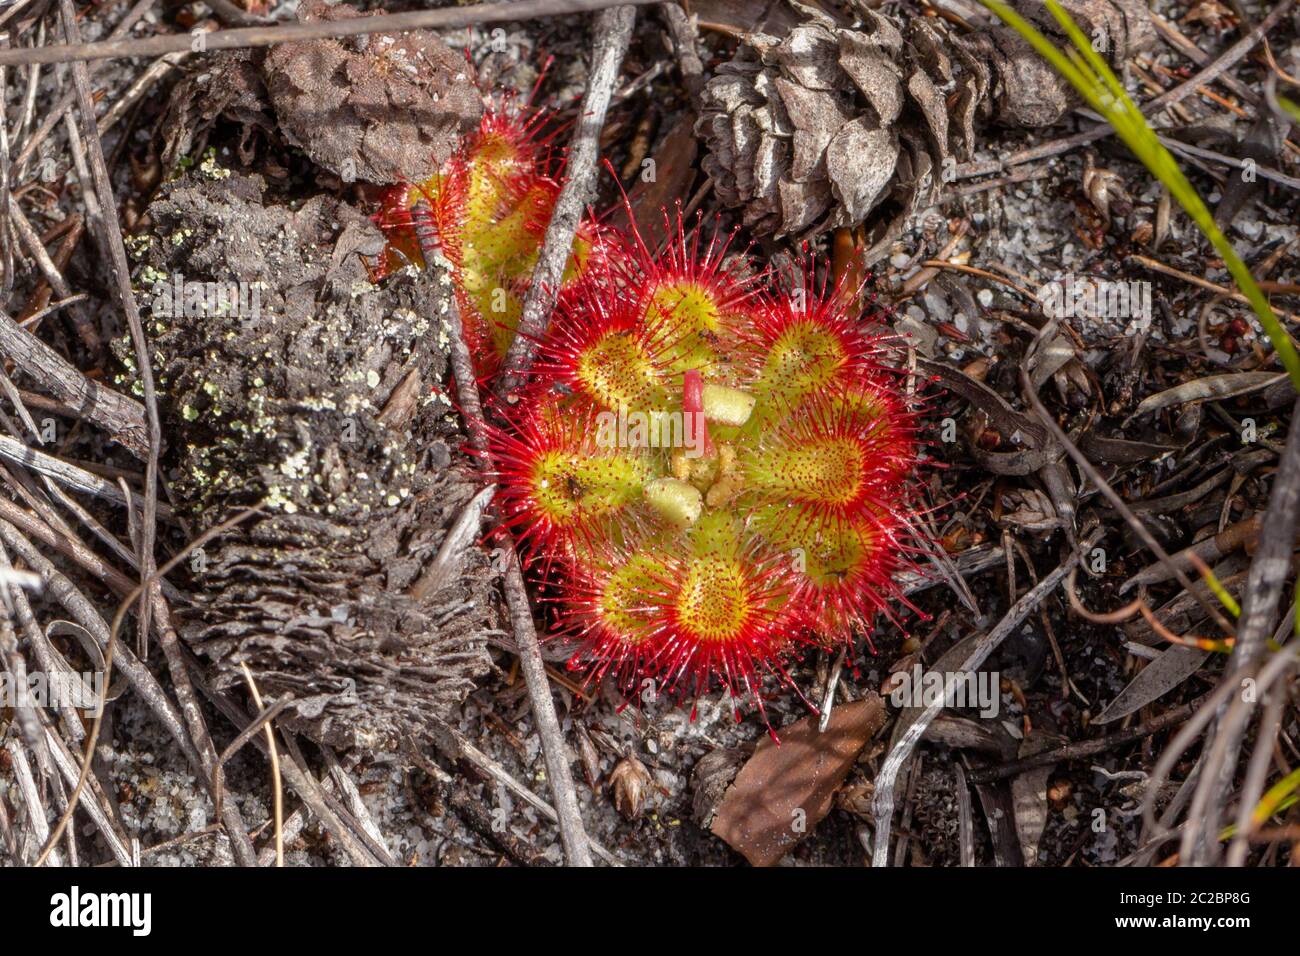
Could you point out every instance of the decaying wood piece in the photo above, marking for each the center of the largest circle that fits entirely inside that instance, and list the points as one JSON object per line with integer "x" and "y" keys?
{"x": 853, "y": 116}
{"x": 276, "y": 357}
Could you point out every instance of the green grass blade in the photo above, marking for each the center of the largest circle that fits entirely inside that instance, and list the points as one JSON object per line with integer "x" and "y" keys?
{"x": 1277, "y": 795}
{"x": 1292, "y": 108}
{"x": 1215, "y": 585}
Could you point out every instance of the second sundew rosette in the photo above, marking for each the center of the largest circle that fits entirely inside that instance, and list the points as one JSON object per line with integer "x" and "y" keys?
{"x": 486, "y": 211}
{"x": 709, "y": 475}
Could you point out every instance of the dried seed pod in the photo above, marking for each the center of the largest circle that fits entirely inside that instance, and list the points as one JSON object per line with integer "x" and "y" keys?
{"x": 276, "y": 362}
{"x": 852, "y": 117}
{"x": 629, "y": 782}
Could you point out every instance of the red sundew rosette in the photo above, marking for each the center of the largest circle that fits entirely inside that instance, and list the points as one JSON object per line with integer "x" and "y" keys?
{"x": 486, "y": 211}
{"x": 786, "y": 527}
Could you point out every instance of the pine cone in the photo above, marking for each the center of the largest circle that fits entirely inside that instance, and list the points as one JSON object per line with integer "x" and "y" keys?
{"x": 303, "y": 389}
{"x": 850, "y": 116}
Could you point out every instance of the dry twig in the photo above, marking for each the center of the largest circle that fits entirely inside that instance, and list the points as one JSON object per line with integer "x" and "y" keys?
{"x": 613, "y": 30}
{"x": 446, "y": 18}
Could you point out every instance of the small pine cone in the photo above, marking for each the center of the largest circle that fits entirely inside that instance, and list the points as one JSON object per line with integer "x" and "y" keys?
{"x": 287, "y": 379}
{"x": 852, "y": 116}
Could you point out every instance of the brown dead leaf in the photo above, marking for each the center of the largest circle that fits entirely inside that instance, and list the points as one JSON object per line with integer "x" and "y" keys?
{"x": 785, "y": 790}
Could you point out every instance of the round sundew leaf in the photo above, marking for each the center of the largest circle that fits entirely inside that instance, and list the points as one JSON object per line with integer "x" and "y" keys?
{"x": 830, "y": 549}
{"x": 569, "y": 489}
{"x": 500, "y": 308}
{"x": 886, "y": 426}
{"x": 617, "y": 371}
{"x": 805, "y": 358}
{"x": 496, "y": 170}
{"x": 683, "y": 318}
{"x": 629, "y": 595}
{"x": 822, "y": 469}
{"x": 580, "y": 259}
{"x": 716, "y": 601}
{"x": 843, "y": 564}
{"x": 616, "y": 606}
{"x": 559, "y": 484}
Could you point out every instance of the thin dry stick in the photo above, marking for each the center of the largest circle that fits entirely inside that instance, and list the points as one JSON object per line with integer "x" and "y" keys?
{"x": 262, "y": 720}
{"x": 572, "y": 833}
{"x": 965, "y": 825}
{"x": 613, "y": 29}
{"x": 1176, "y": 40}
{"x": 68, "y": 474}
{"x": 456, "y": 746}
{"x": 314, "y": 796}
{"x": 98, "y": 807}
{"x": 121, "y": 417}
{"x": 6, "y": 244}
{"x": 114, "y": 250}
{"x": 1257, "y": 771}
{"x": 59, "y": 587}
{"x": 686, "y": 45}
{"x": 1118, "y": 503}
{"x": 1203, "y": 283}
{"x": 446, "y": 18}
{"x": 449, "y": 559}
{"x": 1223, "y": 159}
{"x": 1086, "y": 748}
{"x": 31, "y": 795}
{"x": 275, "y": 767}
{"x": 156, "y": 71}
{"x": 54, "y": 115}
{"x": 1222, "y": 750}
